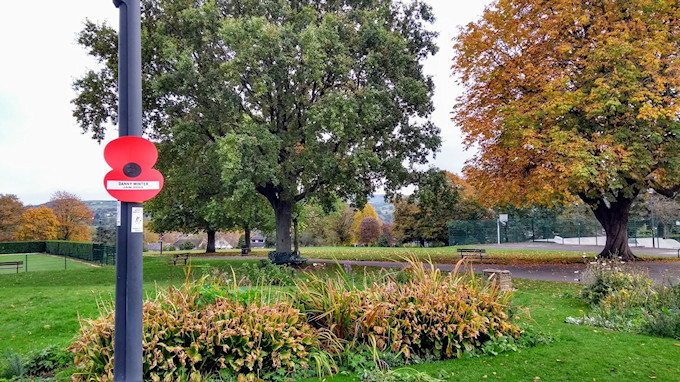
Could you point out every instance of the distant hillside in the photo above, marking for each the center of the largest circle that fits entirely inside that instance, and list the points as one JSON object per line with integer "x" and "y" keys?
{"x": 385, "y": 210}
{"x": 105, "y": 210}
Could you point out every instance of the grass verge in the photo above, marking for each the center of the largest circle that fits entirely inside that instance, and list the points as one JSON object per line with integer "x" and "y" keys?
{"x": 40, "y": 309}
{"x": 442, "y": 255}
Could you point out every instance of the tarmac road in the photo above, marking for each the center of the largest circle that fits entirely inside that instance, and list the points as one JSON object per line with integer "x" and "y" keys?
{"x": 658, "y": 271}
{"x": 548, "y": 246}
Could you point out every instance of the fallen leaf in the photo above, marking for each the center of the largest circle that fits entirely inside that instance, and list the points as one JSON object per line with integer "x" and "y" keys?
{"x": 673, "y": 344}
{"x": 559, "y": 360}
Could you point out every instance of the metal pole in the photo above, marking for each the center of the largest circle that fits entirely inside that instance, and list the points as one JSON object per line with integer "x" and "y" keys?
{"x": 26, "y": 264}
{"x": 128, "y": 316}
{"x": 498, "y": 230}
{"x": 651, "y": 208}
{"x": 579, "y": 231}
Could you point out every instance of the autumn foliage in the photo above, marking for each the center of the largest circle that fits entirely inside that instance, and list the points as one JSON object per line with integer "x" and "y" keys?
{"x": 11, "y": 210}
{"x": 72, "y": 216}
{"x": 37, "y": 224}
{"x": 569, "y": 99}
{"x": 369, "y": 231}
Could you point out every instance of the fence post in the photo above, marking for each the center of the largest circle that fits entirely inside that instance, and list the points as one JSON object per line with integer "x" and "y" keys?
{"x": 578, "y": 229}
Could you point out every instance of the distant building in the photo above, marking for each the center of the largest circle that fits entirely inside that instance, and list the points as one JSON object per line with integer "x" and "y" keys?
{"x": 222, "y": 244}
{"x": 257, "y": 241}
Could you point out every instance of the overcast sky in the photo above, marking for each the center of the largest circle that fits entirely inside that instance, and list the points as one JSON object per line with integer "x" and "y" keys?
{"x": 42, "y": 149}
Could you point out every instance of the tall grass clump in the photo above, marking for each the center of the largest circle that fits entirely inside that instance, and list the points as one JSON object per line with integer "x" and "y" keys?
{"x": 624, "y": 298}
{"x": 431, "y": 315}
{"x": 194, "y": 333}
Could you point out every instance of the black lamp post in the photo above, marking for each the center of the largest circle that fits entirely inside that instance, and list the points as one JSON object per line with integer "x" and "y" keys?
{"x": 128, "y": 326}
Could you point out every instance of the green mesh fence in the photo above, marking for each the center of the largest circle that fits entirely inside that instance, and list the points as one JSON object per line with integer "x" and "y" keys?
{"x": 96, "y": 253}
{"x": 563, "y": 231}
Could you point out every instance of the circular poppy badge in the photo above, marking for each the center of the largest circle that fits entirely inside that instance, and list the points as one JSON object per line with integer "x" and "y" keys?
{"x": 132, "y": 178}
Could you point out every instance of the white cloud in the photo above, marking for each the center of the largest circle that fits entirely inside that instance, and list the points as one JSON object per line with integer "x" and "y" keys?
{"x": 41, "y": 147}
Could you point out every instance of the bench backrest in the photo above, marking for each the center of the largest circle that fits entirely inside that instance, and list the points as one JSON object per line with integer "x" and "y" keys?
{"x": 471, "y": 250}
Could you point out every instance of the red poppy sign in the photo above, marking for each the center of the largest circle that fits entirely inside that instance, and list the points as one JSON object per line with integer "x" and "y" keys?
{"x": 132, "y": 178}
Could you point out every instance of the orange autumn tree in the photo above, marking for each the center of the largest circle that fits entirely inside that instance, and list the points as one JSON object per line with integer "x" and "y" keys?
{"x": 72, "y": 216}
{"x": 37, "y": 224}
{"x": 571, "y": 99}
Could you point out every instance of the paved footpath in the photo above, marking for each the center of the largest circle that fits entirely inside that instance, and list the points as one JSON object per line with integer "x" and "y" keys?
{"x": 658, "y": 271}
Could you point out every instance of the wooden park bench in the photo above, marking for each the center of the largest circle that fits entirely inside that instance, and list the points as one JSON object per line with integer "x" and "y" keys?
{"x": 179, "y": 257}
{"x": 11, "y": 265}
{"x": 472, "y": 252}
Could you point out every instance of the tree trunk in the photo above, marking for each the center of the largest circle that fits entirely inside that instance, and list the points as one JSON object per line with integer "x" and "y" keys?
{"x": 283, "y": 213}
{"x": 296, "y": 241}
{"x": 613, "y": 217}
{"x": 210, "y": 247}
{"x": 246, "y": 239}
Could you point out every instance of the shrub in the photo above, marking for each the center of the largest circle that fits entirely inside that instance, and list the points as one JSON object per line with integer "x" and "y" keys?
{"x": 44, "y": 362}
{"x": 11, "y": 365}
{"x": 383, "y": 241}
{"x": 187, "y": 245}
{"x": 190, "y": 336}
{"x": 266, "y": 273}
{"x": 22, "y": 247}
{"x": 625, "y": 299}
{"x": 602, "y": 278}
{"x": 431, "y": 315}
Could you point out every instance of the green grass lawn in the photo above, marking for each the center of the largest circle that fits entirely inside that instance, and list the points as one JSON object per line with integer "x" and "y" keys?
{"x": 443, "y": 255}
{"x": 41, "y": 308}
{"x": 578, "y": 353}
{"x": 38, "y": 309}
{"x": 38, "y": 262}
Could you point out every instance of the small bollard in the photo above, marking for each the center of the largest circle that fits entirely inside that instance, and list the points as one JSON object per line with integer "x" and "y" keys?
{"x": 502, "y": 278}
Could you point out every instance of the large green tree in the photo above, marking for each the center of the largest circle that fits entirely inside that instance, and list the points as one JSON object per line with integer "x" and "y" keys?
{"x": 193, "y": 198}
{"x": 425, "y": 214}
{"x": 572, "y": 99}
{"x": 305, "y": 97}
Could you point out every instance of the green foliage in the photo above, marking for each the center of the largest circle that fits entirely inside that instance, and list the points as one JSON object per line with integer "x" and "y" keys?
{"x": 43, "y": 362}
{"x": 75, "y": 249}
{"x": 313, "y": 99}
{"x": 291, "y": 258}
{"x": 398, "y": 375}
{"x": 186, "y": 245}
{"x": 604, "y": 278}
{"x": 79, "y": 250}
{"x": 625, "y": 299}
{"x": 266, "y": 273}
{"x": 11, "y": 365}
{"x": 383, "y": 241}
{"x": 22, "y": 247}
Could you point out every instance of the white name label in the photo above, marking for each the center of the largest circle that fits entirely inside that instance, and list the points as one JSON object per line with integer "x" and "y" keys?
{"x": 137, "y": 224}
{"x": 132, "y": 185}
